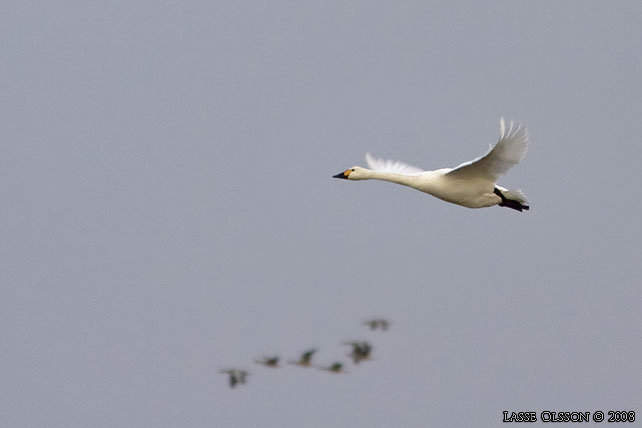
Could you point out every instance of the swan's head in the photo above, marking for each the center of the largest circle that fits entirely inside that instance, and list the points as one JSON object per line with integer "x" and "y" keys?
{"x": 354, "y": 173}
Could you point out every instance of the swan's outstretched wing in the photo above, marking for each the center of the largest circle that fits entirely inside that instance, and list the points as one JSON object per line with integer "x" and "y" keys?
{"x": 385, "y": 165}
{"x": 509, "y": 150}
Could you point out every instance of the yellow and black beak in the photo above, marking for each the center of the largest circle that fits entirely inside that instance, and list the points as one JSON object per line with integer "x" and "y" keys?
{"x": 343, "y": 174}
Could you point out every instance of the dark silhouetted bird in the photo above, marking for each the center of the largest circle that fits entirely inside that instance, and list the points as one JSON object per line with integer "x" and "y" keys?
{"x": 236, "y": 376}
{"x": 360, "y": 350}
{"x": 336, "y": 367}
{"x": 269, "y": 361}
{"x": 377, "y": 323}
{"x": 306, "y": 358}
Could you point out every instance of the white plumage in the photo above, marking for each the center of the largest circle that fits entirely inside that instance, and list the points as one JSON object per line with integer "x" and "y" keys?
{"x": 471, "y": 184}
{"x": 509, "y": 150}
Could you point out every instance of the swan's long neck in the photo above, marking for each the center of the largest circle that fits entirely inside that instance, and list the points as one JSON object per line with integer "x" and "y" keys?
{"x": 406, "y": 180}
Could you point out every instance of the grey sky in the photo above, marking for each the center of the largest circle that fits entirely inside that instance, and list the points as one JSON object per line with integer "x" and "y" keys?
{"x": 168, "y": 211}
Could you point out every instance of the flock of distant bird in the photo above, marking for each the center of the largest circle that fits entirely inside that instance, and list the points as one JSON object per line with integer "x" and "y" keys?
{"x": 361, "y": 351}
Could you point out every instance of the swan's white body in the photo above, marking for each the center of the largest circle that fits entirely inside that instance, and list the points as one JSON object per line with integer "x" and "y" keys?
{"x": 471, "y": 184}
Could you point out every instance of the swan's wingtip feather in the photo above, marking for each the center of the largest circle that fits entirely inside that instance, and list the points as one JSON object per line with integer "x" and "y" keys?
{"x": 386, "y": 165}
{"x": 514, "y": 129}
{"x": 370, "y": 160}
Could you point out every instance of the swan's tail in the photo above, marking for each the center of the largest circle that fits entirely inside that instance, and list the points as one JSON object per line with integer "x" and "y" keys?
{"x": 514, "y": 199}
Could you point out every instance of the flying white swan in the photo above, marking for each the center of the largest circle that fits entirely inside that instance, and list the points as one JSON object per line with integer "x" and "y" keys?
{"x": 471, "y": 184}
